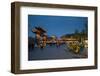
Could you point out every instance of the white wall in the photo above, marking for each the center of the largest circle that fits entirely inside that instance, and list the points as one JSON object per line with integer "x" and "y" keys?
{"x": 5, "y": 42}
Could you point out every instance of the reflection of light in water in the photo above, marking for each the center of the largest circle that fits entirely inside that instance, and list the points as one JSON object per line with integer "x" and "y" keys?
{"x": 53, "y": 52}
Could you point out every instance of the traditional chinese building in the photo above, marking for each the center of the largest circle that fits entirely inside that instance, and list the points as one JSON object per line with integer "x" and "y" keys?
{"x": 40, "y": 36}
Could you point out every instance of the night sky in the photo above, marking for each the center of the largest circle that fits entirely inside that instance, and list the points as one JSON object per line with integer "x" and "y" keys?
{"x": 56, "y": 25}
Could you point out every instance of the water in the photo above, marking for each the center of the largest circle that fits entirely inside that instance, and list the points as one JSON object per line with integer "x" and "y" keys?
{"x": 53, "y": 52}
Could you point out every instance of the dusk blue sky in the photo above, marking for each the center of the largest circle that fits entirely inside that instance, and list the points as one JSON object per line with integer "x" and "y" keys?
{"x": 56, "y": 25}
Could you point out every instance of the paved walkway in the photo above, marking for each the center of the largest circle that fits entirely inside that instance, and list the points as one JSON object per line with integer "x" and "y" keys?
{"x": 52, "y": 52}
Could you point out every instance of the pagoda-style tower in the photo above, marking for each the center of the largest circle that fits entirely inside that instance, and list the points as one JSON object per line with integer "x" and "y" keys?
{"x": 40, "y": 36}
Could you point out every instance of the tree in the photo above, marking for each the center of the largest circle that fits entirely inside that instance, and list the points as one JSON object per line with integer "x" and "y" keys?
{"x": 76, "y": 34}
{"x": 86, "y": 30}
